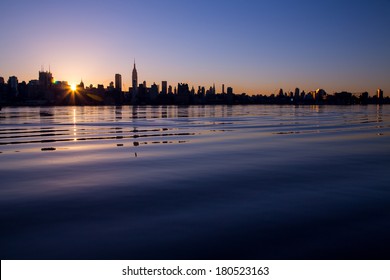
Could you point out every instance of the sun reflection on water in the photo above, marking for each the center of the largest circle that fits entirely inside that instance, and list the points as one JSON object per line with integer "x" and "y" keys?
{"x": 74, "y": 125}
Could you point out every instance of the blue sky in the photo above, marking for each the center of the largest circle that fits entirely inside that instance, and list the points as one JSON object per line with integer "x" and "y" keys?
{"x": 253, "y": 46}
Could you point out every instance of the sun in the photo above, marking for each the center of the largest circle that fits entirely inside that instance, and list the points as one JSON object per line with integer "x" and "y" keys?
{"x": 73, "y": 87}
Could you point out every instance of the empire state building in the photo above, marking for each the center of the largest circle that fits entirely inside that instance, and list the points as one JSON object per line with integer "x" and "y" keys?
{"x": 135, "y": 80}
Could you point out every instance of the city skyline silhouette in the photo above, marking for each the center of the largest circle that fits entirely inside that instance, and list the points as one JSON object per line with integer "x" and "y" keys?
{"x": 47, "y": 91}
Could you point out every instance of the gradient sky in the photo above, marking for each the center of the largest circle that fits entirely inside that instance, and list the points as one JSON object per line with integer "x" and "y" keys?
{"x": 253, "y": 46}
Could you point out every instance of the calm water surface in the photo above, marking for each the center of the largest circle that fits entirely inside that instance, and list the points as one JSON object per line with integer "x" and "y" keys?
{"x": 207, "y": 182}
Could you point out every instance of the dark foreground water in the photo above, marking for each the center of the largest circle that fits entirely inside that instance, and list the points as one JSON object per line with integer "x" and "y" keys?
{"x": 241, "y": 182}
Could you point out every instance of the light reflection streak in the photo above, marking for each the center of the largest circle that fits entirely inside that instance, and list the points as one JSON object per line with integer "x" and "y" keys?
{"x": 74, "y": 125}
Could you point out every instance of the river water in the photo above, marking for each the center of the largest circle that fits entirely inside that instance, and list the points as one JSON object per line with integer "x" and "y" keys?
{"x": 199, "y": 182}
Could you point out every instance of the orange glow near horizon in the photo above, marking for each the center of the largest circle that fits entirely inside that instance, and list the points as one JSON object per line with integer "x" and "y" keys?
{"x": 73, "y": 87}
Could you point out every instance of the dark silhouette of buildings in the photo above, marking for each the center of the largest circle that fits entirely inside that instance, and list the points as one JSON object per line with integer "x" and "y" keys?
{"x": 134, "y": 78}
{"x": 13, "y": 85}
{"x": 45, "y": 80}
{"x": 164, "y": 88}
{"x": 80, "y": 87}
{"x": 44, "y": 91}
{"x": 118, "y": 82}
{"x": 380, "y": 93}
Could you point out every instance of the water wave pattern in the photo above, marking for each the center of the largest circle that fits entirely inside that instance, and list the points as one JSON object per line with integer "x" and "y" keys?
{"x": 199, "y": 182}
{"x": 22, "y": 126}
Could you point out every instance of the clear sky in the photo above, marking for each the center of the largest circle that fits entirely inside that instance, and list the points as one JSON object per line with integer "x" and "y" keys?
{"x": 253, "y": 46}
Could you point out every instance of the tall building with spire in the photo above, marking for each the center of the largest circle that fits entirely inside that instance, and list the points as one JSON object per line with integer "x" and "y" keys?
{"x": 134, "y": 79}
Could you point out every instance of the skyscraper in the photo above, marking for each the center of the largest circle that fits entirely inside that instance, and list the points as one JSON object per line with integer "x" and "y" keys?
{"x": 13, "y": 84}
{"x": 296, "y": 93}
{"x": 134, "y": 80}
{"x": 164, "y": 87}
{"x": 45, "y": 79}
{"x": 118, "y": 82}
{"x": 379, "y": 93}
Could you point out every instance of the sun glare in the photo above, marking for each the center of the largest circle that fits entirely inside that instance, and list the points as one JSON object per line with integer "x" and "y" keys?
{"x": 73, "y": 87}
